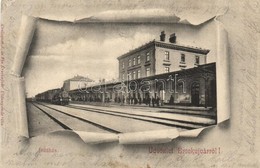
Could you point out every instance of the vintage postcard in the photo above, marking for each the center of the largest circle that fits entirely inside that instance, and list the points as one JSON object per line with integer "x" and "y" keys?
{"x": 115, "y": 78}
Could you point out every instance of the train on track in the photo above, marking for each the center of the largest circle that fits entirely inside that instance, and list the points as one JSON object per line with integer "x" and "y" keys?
{"x": 55, "y": 96}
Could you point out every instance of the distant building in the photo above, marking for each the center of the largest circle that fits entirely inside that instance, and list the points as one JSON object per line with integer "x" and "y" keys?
{"x": 158, "y": 57}
{"x": 77, "y": 82}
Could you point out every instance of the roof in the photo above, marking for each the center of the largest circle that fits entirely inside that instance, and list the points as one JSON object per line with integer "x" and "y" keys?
{"x": 204, "y": 68}
{"x": 51, "y": 90}
{"x": 80, "y": 78}
{"x": 175, "y": 46}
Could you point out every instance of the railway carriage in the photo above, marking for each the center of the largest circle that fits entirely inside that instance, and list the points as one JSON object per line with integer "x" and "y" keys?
{"x": 55, "y": 96}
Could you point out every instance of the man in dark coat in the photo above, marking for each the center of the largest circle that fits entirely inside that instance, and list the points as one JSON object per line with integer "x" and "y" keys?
{"x": 158, "y": 101}
{"x": 123, "y": 99}
{"x": 153, "y": 101}
{"x": 171, "y": 100}
{"x": 149, "y": 101}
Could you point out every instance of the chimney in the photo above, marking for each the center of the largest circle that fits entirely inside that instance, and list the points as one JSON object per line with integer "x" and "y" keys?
{"x": 162, "y": 36}
{"x": 172, "y": 38}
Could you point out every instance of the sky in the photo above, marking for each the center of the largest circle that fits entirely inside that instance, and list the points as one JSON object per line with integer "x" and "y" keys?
{"x": 61, "y": 50}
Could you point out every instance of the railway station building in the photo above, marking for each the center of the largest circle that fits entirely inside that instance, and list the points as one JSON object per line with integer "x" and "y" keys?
{"x": 164, "y": 69}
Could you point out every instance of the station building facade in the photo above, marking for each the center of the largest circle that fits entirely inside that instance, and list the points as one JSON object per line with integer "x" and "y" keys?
{"x": 158, "y": 57}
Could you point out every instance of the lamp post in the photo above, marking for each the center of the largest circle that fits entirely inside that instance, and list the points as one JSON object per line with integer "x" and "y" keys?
{"x": 175, "y": 86}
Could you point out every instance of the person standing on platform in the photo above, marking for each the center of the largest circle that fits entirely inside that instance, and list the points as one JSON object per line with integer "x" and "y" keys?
{"x": 171, "y": 100}
{"x": 149, "y": 101}
{"x": 145, "y": 101}
{"x": 123, "y": 99}
{"x": 153, "y": 101}
{"x": 158, "y": 101}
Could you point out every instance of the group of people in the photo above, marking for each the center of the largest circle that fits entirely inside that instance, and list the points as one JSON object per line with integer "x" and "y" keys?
{"x": 154, "y": 101}
{"x": 133, "y": 100}
{"x": 87, "y": 99}
{"x": 128, "y": 100}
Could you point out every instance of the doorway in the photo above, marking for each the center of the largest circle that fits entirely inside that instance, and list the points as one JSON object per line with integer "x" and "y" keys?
{"x": 195, "y": 94}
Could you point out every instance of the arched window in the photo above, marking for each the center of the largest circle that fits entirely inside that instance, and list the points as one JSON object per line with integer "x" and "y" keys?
{"x": 181, "y": 86}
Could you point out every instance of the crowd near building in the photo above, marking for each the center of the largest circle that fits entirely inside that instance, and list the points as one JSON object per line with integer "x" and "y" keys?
{"x": 158, "y": 72}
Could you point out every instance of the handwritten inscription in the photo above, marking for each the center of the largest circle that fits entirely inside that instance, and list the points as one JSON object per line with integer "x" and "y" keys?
{"x": 160, "y": 149}
{"x": 184, "y": 151}
{"x": 198, "y": 151}
{"x": 47, "y": 150}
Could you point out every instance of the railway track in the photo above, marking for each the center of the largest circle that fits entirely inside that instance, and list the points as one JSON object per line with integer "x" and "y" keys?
{"x": 65, "y": 126}
{"x": 202, "y": 113}
{"x": 190, "y": 113}
{"x": 181, "y": 121}
{"x": 158, "y": 120}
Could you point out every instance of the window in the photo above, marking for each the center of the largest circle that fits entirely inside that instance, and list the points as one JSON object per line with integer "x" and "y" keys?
{"x": 197, "y": 59}
{"x": 123, "y": 76}
{"x": 129, "y": 62}
{"x": 182, "y": 58}
{"x": 167, "y": 55}
{"x": 134, "y": 61}
{"x": 129, "y": 77}
{"x": 180, "y": 86}
{"x": 123, "y": 65}
{"x": 138, "y": 59}
{"x": 147, "y": 71}
{"x": 167, "y": 69}
{"x": 138, "y": 74}
{"x": 134, "y": 75}
{"x": 148, "y": 56}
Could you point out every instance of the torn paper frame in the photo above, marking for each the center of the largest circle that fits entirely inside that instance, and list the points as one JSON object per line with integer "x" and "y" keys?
{"x": 27, "y": 28}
